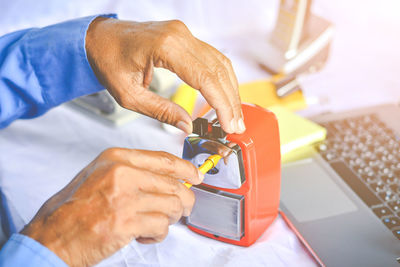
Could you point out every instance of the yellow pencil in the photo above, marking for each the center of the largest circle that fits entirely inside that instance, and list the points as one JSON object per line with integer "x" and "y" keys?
{"x": 210, "y": 163}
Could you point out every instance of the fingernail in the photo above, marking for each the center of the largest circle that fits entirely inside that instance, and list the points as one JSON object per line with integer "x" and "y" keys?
{"x": 242, "y": 128}
{"x": 201, "y": 176}
{"x": 187, "y": 128}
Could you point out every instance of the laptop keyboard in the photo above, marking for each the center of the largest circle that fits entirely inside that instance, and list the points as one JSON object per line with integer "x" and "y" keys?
{"x": 366, "y": 155}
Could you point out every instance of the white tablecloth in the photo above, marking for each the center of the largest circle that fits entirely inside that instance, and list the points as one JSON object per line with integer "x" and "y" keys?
{"x": 38, "y": 157}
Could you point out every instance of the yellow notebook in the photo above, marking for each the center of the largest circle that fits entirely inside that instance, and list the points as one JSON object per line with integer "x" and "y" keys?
{"x": 263, "y": 94}
{"x": 296, "y": 132}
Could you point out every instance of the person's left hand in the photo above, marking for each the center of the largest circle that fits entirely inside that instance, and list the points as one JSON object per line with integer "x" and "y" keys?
{"x": 123, "y": 54}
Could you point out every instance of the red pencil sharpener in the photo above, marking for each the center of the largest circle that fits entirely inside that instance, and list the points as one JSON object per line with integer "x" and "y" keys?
{"x": 239, "y": 197}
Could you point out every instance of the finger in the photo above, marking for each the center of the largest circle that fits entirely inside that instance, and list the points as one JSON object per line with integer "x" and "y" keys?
{"x": 170, "y": 205}
{"x": 228, "y": 80}
{"x": 150, "y": 226}
{"x": 226, "y": 62}
{"x": 199, "y": 76}
{"x": 234, "y": 93}
{"x": 158, "y": 162}
{"x": 136, "y": 182}
{"x": 165, "y": 164}
{"x": 226, "y": 85}
{"x": 215, "y": 96}
{"x": 152, "y": 185}
{"x": 164, "y": 110}
{"x": 150, "y": 182}
{"x": 237, "y": 103}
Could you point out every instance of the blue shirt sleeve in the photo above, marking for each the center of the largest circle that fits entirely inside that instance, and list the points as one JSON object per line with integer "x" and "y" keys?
{"x": 39, "y": 69}
{"x": 43, "y": 67}
{"x": 23, "y": 251}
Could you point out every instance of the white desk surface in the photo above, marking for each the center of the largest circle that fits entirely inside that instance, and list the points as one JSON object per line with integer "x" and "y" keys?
{"x": 38, "y": 157}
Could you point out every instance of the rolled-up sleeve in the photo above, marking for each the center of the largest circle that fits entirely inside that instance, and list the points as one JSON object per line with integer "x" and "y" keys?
{"x": 21, "y": 250}
{"x": 43, "y": 67}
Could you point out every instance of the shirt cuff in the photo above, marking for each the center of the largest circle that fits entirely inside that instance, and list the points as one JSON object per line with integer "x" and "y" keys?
{"x": 58, "y": 58}
{"x": 21, "y": 250}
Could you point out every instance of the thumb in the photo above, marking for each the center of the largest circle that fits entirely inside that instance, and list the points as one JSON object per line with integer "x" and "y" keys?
{"x": 162, "y": 109}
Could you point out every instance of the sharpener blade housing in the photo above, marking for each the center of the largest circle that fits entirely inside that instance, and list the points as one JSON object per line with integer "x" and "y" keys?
{"x": 228, "y": 173}
{"x": 218, "y": 212}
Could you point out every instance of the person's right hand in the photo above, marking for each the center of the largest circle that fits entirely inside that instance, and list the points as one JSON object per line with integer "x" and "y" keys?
{"x": 122, "y": 195}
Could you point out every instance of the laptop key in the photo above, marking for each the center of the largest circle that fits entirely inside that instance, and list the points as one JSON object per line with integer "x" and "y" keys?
{"x": 355, "y": 183}
{"x": 389, "y": 179}
{"x": 391, "y": 222}
{"x": 329, "y": 156}
{"x": 397, "y": 233}
{"x": 395, "y": 205}
{"x": 387, "y": 196}
{"x": 368, "y": 178}
{"x": 382, "y": 211}
{"x": 395, "y": 188}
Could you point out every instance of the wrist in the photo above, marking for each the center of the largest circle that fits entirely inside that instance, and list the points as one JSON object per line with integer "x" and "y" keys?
{"x": 49, "y": 238}
{"x": 98, "y": 43}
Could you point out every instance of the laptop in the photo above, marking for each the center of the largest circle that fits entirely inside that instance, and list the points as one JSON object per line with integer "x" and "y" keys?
{"x": 343, "y": 198}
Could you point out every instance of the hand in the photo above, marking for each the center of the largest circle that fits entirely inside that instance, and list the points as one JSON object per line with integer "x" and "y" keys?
{"x": 122, "y": 195}
{"x": 123, "y": 53}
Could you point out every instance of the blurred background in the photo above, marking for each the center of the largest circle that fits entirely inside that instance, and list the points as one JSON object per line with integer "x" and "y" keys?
{"x": 364, "y": 57}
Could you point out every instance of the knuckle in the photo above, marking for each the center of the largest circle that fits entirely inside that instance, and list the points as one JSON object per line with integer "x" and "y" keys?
{"x": 118, "y": 170}
{"x": 162, "y": 226}
{"x": 171, "y": 32}
{"x": 209, "y": 78}
{"x": 226, "y": 61}
{"x": 164, "y": 234}
{"x": 224, "y": 108}
{"x": 118, "y": 96}
{"x": 127, "y": 101}
{"x": 137, "y": 222}
{"x": 165, "y": 42}
{"x": 165, "y": 113}
{"x": 222, "y": 75}
{"x": 176, "y": 186}
{"x": 176, "y": 205}
{"x": 217, "y": 68}
{"x": 164, "y": 222}
{"x": 177, "y": 25}
{"x": 168, "y": 161}
{"x": 122, "y": 101}
{"x": 111, "y": 153}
